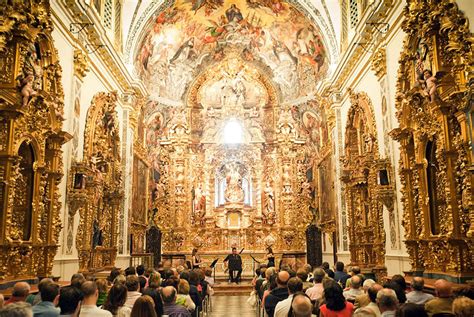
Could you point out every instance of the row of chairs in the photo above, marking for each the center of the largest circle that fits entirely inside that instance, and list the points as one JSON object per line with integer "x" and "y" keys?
{"x": 206, "y": 307}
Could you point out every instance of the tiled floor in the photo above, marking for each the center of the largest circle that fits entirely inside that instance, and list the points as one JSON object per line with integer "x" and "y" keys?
{"x": 231, "y": 306}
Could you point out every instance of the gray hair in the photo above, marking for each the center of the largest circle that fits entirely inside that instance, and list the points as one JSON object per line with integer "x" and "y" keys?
{"x": 18, "y": 309}
{"x": 387, "y": 298}
{"x": 368, "y": 283}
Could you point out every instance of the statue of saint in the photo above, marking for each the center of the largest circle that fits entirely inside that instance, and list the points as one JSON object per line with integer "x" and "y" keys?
{"x": 233, "y": 191}
{"x": 269, "y": 207}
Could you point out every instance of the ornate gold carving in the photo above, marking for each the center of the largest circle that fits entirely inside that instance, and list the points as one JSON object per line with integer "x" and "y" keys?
{"x": 435, "y": 161}
{"x": 81, "y": 63}
{"x": 379, "y": 62}
{"x": 30, "y": 141}
{"x": 363, "y": 190}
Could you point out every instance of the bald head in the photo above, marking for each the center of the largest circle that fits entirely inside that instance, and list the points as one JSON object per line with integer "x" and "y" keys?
{"x": 168, "y": 294}
{"x": 21, "y": 289}
{"x": 301, "y": 306}
{"x": 282, "y": 278}
{"x": 443, "y": 288}
{"x": 372, "y": 292}
{"x": 417, "y": 283}
{"x": 355, "y": 282}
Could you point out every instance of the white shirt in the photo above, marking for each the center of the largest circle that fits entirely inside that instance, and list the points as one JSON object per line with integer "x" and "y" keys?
{"x": 93, "y": 311}
{"x": 283, "y": 307}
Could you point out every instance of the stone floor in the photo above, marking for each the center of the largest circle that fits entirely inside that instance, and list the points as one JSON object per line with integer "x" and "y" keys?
{"x": 231, "y": 306}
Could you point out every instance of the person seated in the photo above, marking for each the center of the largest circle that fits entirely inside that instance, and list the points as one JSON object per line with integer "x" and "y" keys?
{"x": 89, "y": 308}
{"x": 363, "y": 299}
{"x": 278, "y": 294}
{"x": 387, "y": 301}
{"x": 170, "y": 308}
{"x": 301, "y": 306}
{"x": 34, "y": 299}
{"x": 144, "y": 306}
{"x": 443, "y": 303}
{"x": 77, "y": 279}
{"x": 340, "y": 276}
{"x": 336, "y": 304}
{"x": 411, "y": 310}
{"x": 19, "y": 293}
{"x": 183, "y": 297}
{"x": 295, "y": 286}
{"x": 69, "y": 301}
{"x": 303, "y": 276}
{"x": 417, "y": 296}
{"x": 354, "y": 289}
{"x": 102, "y": 287}
{"x": 17, "y": 309}
{"x": 463, "y": 307}
{"x": 133, "y": 290}
{"x": 47, "y": 306}
{"x": 316, "y": 291}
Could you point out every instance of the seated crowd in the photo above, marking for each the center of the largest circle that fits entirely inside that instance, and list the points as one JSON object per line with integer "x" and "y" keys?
{"x": 338, "y": 294}
{"x": 136, "y": 292}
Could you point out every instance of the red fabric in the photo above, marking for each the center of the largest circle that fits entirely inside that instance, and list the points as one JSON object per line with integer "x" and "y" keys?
{"x": 346, "y": 312}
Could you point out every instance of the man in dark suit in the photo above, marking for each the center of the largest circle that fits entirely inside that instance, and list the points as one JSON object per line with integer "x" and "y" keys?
{"x": 234, "y": 265}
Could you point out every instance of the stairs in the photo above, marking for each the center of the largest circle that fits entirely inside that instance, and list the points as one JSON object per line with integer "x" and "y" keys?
{"x": 224, "y": 288}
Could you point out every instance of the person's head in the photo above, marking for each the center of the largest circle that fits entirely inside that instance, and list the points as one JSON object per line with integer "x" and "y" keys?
{"x": 400, "y": 280}
{"x": 339, "y": 266}
{"x": 318, "y": 275}
{"x": 101, "y": 285}
{"x": 301, "y": 306}
{"x": 140, "y": 269}
{"x": 142, "y": 281}
{"x": 234, "y": 250}
{"x": 120, "y": 279}
{"x": 355, "y": 270}
{"x": 427, "y": 73}
{"x": 401, "y": 296}
{"x": 333, "y": 295}
{"x": 302, "y": 274}
{"x": 18, "y": 309}
{"x": 325, "y": 266}
{"x": 417, "y": 283}
{"x": 155, "y": 280}
{"x": 195, "y": 251}
{"x": 69, "y": 299}
{"x": 115, "y": 298}
{"x": 372, "y": 292}
{"x": 132, "y": 283}
{"x": 282, "y": 279}
{"x": 368, "y": 283}
{"x": 269, "y": 249}
{"x": 130, "y": 271}
{"x": 183, "y": 287}
{"x": 193, "y": 277}
{"x": 463, "y": 307}
{"x": 90, "y": 291}
{"x": 43, "y": 282}
{"x": 364, "y": 312}
{"x": 443, "y": 288}
{"x": 184, "y": 275}
{"x": 308, "y": 268}
{"x": 168, "y": 294}
{"x": 144, "y": 307}
{"x": 208, "y": 272}
{"x": 21, "y": 290}
{"x": 411, "y": 310}
{"x": 172, "y": 281}
{"x": 295, "y": 285}
{"x": 355, "y": 282}
{"x": 49, "y": 292}
{"x": 113, "y": 274}
{"x": 77, "y": 279}
{"x": 269, "y": 272}
{"x": 387, "y": 300}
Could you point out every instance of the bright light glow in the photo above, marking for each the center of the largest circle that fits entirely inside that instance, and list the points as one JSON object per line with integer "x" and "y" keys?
{"x": 233, "y": 132}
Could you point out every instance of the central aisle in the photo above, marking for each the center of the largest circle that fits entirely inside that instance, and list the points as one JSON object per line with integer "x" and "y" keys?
{"x": 231, "y": 306}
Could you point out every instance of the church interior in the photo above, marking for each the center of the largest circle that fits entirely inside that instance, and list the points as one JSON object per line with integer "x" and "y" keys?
{"x": 134, "y": 131}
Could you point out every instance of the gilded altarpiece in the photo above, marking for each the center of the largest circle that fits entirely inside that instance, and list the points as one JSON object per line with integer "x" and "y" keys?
{"x": 31, "y": 136}
{"x": 95, "y": 190}
{"x": 213, "y": 194}
{"x": 366, "y": 186}
{"x": 433, "y": 103}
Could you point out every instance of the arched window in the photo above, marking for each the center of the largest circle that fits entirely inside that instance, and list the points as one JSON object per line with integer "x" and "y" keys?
{"x": 431, "y": 170}
{"x": 233, "y": 133}
{"x": 23, "y": 209}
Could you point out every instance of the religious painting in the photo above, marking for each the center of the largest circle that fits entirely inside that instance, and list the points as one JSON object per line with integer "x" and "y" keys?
{"x": 327, "y": 205}
{"x": 139, "y": 209}
{"x": 188, "y": 34}
{"x": 155, "y": 126}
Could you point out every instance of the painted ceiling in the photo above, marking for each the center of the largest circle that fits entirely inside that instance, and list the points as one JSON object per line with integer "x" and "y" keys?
{"x": 184, "y": 38}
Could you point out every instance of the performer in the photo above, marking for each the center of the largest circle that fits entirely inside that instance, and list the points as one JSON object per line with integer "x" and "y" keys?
{"x": 195, "y": 259}
{"x": 270, "y": 257}
{"x": 235, "y": 266}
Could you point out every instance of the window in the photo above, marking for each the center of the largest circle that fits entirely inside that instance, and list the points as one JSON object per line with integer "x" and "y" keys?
{"x": 233, "y": 132}
{"x": 431, "y": 170}
{"x": 354, "y": 13}
{"x": 107, "y": 19}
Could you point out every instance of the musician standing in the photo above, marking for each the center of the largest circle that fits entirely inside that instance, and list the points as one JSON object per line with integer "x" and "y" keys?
{"x": 234, "y": 265}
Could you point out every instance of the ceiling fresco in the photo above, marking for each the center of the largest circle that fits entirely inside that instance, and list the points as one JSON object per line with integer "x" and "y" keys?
{"x": 188, "y": 36}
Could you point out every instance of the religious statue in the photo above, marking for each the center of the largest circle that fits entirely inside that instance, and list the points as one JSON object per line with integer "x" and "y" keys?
{"x": 269, "y": 207}
{"x": 199, "y": 204}
{"x": 233, "y": 191}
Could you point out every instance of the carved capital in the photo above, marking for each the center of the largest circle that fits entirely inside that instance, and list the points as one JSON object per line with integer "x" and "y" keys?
{"x": 81, "y": 64}
{"x": 379, "y": 62}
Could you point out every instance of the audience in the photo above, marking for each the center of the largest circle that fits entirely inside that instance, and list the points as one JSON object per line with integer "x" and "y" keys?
{"x": 335, "y": 302}
{"x": 115, "y": 301}
{"x": 303, "y": 276}
{"x": 295, "y": 285}
{"x": 183, "y": 297}
{"x": 411, "y": 310}
{"x": 443, "y": 303}
{"x": 372, "y": 294}
{"x": 329, "y": 272}
{"x": 170, "y": 308}
{"x": 153, "y": 290}
{"x": 316, "y": 291}
{"x": 463, "y": 307}
{"x": 133, "y": 290}
{"x": 77, "y": 280}
{"x": 388, "y": 302}
{"x": 20, "y": 291}
{"x": 144, "y": 307}
{"x": 47, "y": 306}
{"x": 340, "y": 276}
{"x": 89, "y": 307}
{"x": 34, "y": 299}
{"x": 417, "y": 296}
{"x": 130, "y": 271}
{"x": 69, "y": 301}
{"x": 278, "y": 294}
{"x": 363, "y": 300}
{"x": 102, "y": 287}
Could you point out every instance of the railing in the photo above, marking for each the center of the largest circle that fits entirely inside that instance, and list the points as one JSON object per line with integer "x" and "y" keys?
{"x": 206, "y": 307}
{"x": 141, "y": 258}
